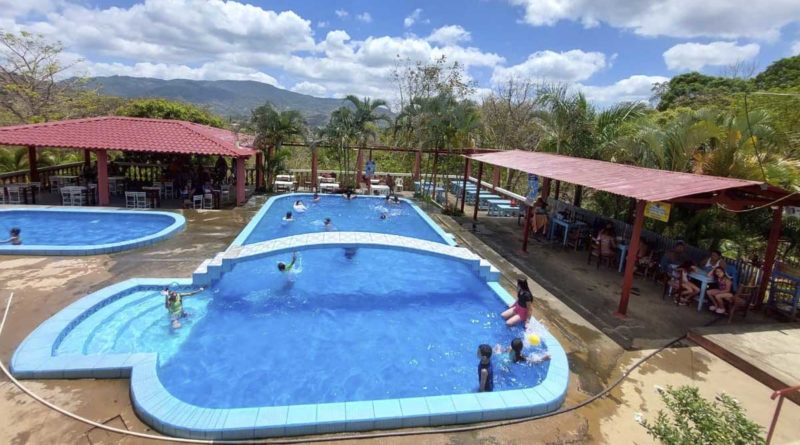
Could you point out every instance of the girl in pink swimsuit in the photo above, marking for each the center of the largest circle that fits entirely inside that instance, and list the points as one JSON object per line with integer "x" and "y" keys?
{"x": 519, "y": 311}
{"x": 722, "y": 293}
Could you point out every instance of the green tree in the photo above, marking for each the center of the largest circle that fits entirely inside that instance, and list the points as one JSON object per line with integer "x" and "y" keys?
{"x": 783, "y": 73}
{"x": 690, "y": 419}
{"x": 169, "y": 109}
{"x": 697, "y": 90}
{"x": 273, "y": 129}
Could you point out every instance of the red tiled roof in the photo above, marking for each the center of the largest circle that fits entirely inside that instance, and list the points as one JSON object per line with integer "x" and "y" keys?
{"x": 626, "y": 180}
{"x": 127, "y": 134}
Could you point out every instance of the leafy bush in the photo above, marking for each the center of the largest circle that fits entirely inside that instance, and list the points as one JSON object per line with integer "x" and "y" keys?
{"x": 693, "y": 420}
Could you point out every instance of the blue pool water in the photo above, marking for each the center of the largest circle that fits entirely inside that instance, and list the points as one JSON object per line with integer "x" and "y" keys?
{"x": 384, "y": 324}
{"x": 81, "y": 228}
{"x": 358, "y": 215}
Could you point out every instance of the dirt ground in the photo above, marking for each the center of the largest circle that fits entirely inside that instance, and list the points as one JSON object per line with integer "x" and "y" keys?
{"x": 44, "y": 285}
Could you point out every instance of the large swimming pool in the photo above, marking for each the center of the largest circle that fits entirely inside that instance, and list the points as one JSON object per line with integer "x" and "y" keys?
{"x": 369, "y": 330}
{"x": 84, "y": 232}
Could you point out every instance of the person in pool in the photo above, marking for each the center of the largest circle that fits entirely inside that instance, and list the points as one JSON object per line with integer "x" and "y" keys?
{"x": 348, "y": 194}
{"x": 316, "y": 197}
{"x": 299, "y": 207}
{"x": 485, "y": 369}
{"x": 515, "y": 354}
{"x": 328, "y": 224}
{"x": 288, "y": 217}
{"x": 173, "y": 301}
{"x": 283, "y": 267}
{"x": 14, "y": 238}
{"x": 384, "y": 215}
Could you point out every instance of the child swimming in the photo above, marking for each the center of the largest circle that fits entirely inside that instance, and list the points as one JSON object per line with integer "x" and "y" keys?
{"x": 14, "y": 238}
{"x": 283, "y": 267}
{"x": 328, "y": 224}
{"x": 299, "y": 207}
{"x": 173, "y": 301}
{"x": 515, "y": 354}
{"x": 288, "y": 217}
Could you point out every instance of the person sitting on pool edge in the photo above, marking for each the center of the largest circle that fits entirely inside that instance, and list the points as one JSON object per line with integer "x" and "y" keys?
{"x": 485, "y": 369}
{"x": 14, "y": 237}
{"x": 173, "y": 301}
{"x": 519, "y": 311}
{"x": 283, "y": 267}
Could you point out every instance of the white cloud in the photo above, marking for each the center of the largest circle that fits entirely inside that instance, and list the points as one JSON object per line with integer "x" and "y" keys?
{"x": 796, "y": 48}
{"x": 635, "y": 88}
{"x": 341, "y": 13}
{"x": 568, "y": 66}
{"x": 323, "y": 24}
{"x": 310, "y": 88}
{"x": 449, "y": 35}
{"x": 412, "y": 18}
{"x": 695, "y": 56}
{"x": 676, "y": 18}
{"x": 364, "y": 17}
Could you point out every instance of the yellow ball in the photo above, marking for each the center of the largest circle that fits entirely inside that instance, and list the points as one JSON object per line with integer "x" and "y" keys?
{"x": 534, "y": 340}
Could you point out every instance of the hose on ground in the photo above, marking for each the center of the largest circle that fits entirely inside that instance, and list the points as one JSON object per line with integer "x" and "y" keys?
{"x": 362, "y": 436}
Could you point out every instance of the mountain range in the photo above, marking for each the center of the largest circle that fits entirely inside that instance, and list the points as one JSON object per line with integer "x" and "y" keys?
{"x": 229, "y": 98}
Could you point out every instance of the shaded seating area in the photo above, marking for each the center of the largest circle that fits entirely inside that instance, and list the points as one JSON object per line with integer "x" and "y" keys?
{"x": 191, "y": 160}
{"x": 629, "y": 248}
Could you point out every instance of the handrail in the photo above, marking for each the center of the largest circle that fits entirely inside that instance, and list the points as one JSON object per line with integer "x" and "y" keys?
{"x": 40, "y": 169}
{"x": 780, "y": 394}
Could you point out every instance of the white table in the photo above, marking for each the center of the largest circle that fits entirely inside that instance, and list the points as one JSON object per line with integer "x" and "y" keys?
{"x": 381, "y": 189}
{"x": 623, "y": 250}
{"x": 567, "y": 225}
{"x": 325, "y": 180}
{"x": 284, "y": 185}
{"x": 704, "y": 280}
{"x": 328, "y": 186}
{"x": 286, "y": 178}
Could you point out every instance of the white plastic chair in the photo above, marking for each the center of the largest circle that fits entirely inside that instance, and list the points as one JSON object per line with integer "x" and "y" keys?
{"x": 160, "y": 186}
{"x": 2, "y": 195}
{"x": 197, "y": 201}
{"x": 130, "y": 200}
{"x": 169, "y": 190}
{"x": 77, "y": 196}
{"x": 208, "y": 201}
{"x": 398, "y": 185}
{"x": 66, "y": 197}
{"x": 141, "y": 200}
{"x": 14, "y": 194}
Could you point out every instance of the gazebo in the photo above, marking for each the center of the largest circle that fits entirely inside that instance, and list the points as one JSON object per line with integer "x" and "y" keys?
{"x": 644, "y": 185}
{"x": 128, "y": 134}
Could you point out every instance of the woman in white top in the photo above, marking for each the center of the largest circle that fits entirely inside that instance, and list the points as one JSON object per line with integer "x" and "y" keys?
{"x": 714, "y": 261}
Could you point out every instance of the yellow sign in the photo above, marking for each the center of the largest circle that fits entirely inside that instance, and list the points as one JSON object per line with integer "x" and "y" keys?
{"x": 657, "y": 210}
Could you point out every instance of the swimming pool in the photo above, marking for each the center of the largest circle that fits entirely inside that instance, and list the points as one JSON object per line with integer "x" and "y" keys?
{"x": 362, "y": 214}
{"x": 58, "y": 231}
{"x": 370, "y": 331}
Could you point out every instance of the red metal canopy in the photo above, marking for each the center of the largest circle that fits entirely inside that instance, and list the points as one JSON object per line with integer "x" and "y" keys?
{"x": 127, "y": 134}
{"x": 642, "y": 183}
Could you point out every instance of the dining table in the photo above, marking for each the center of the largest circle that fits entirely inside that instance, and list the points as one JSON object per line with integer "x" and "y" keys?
{"x": 153, "y": 193}
{"x": 566, "y": 225}
{"x": 704, "y": 279}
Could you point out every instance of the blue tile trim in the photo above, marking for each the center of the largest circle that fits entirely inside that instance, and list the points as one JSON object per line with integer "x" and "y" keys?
{"x": 178, "y": 224}
{"x": 34, "y": 358}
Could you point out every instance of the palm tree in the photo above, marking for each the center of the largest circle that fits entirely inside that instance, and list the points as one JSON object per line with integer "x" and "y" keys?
{"x": 273, "y": 129}
{"x": 13, "y": 159}
{"x": 341, "y": 130}
{"x": 365, "y": 119}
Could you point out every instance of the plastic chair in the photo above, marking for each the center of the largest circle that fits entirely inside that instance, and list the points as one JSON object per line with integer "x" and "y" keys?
{"x": 66, "y": 196}
{"x": 208, "y": 201}
{"x": 742, "y": 300}
{"x": 169, "y": 190}
{"x": 14, "y": 195}
{"x": 141, "y": 200}
{"x": 197, "y": 201}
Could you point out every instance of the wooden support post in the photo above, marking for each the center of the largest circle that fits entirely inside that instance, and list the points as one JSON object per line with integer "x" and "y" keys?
{"x": 526, "y": 235}
{"x": 34, "y": 170}
{"x": 417, "y": 163}
{"x": 478, "y": 192}
{"x": 558, "y": 190}
{"x": 359, "y": 167}
{"x": 433, "y": 182}
{"x": 314, "y": 166}
{"x": 259, "y": 170}
{"x": 546, "y": 188}
{"x": 467, "y": 168}
{"x": 769, "y": 255}
{"x": 241, "y": 179}
{"x": 87, "y": 158}
{"x": 102, "y": 177}
{"x": 495, "y": 177}
{"x": 630, "y": 260}
{"x": 576, "y": 201}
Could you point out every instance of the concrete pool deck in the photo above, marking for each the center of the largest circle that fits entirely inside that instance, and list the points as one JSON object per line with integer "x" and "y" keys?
{"x": 43, "y": 286}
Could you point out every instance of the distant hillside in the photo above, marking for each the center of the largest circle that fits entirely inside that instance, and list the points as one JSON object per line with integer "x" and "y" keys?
{"x": 235, "y": 98}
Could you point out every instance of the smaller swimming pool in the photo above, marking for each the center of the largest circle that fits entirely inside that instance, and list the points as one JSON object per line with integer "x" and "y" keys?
{"x": 62, "y": 231}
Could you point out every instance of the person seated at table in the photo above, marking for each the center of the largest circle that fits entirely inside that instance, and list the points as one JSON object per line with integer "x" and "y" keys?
{"x": 674, "y": 257}
{"x": 607, "y": 238}
{"x": 14, "y": 238}
{"x": 713, "y": 261}
{"x": 688, "y": 290}
{"x": 722, "y": 293}
{"x": 199, "y": 189}
{"x": 540, "y": 217}
{"x": 644, "y": 257}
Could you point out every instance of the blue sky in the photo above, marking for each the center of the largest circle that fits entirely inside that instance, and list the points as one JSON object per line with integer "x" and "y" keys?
{"x": 611, "y": 49}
